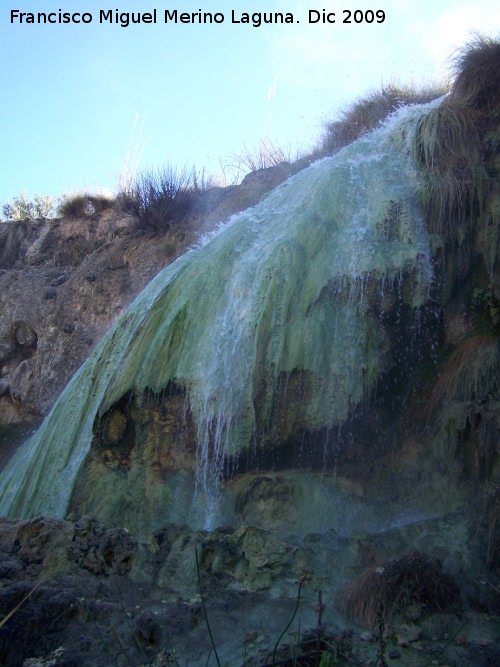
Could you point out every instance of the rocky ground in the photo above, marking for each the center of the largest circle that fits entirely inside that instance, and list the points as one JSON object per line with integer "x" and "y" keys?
{"x": 80, "y": 594}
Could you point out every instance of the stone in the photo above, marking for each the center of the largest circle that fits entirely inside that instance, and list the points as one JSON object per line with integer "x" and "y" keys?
{"x": 413, "y": 612}
{"x": 407, "y": 634}
{"x": 147, "y": 628}
{"x": 4, "y": 385}
{"x": 115, "y": 427}
{"x": 102, "y": 550}
{"x": 25, "y": 336}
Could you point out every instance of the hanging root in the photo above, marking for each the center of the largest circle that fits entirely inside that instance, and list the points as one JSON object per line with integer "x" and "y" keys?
{"x": 449, "y": 144}
{"x": 470, "y": 373}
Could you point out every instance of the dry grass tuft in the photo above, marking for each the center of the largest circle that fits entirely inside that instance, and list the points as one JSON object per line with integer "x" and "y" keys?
{"x": 74, "y": 206}
{"x": 264, "y": 154}
{"x": 410, "y": 579}
{"x": 83, "y": 205}
{"x": 370, "y": 111}
{"x": 101, "y": 203}
{"x": 477, "y": 75}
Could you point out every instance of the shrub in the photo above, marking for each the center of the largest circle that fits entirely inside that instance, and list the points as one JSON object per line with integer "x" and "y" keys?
{"x": 160, "y": 198}
{"x": 24, "y": 208}
{"x": 369, "y": 112}
{"x": 393, "y": 587}
{"x": 477, "y": 75}
{"x": 74, "y": 206}
{"x": 82, "y": 205}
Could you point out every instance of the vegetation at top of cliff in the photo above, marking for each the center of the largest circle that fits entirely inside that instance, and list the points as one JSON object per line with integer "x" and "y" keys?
{"x": 23, "y": 207}
{"x": 81, "y": 205}
{"x": 160, "y": 198}
{"x": 456, "y": 144}
{"x": 369, "y": 112}
{"x": 477, "y": 76}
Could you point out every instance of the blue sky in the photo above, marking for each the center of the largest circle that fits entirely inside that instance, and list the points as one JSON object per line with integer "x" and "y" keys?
{"x": 76, "y": 99}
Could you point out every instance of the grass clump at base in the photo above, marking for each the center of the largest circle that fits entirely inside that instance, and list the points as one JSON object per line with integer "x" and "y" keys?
{"x": 409, "y": 579}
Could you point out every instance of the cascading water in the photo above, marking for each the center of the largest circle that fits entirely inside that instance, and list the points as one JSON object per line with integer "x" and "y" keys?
{"x": 286, "y": 287}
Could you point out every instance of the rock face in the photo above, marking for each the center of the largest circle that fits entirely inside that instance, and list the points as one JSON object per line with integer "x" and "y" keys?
{"x": 64, "y": 282}
{"x": 60, "y": 291}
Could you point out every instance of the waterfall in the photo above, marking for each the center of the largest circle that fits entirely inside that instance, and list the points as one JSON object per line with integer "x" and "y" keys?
{"x": 286, "y": 287}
